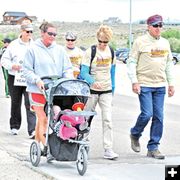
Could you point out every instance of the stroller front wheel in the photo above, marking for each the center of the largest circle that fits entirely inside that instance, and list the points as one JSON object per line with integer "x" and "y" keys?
{"x": 35, "y": 153}
{"x": 82, "y": 161}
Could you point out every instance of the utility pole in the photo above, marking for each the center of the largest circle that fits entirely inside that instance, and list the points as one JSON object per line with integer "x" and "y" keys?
{"x": 130, "y": 23}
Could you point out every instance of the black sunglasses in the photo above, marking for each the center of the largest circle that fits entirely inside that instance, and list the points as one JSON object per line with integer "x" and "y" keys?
{"x": 52, "y": 34}
{"x": 157, "y": 25}
{"x": 105, "y": 42}
{"x": 70, "y": 40}
{"x": 29, "y": 32}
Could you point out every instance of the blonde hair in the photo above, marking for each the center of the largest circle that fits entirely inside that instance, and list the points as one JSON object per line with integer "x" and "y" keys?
{"x": 104, "y": 32}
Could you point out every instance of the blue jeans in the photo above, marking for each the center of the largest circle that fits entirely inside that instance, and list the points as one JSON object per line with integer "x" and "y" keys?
{"x": 152, "y": 106}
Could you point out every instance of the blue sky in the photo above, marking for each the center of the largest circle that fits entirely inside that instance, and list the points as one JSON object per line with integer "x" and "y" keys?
{"x": 93, "y": 10}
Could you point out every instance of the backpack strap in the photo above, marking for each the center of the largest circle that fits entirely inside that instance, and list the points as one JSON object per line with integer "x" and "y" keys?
{"x": 112, "y": 54}
{"x": 93, "y": 53}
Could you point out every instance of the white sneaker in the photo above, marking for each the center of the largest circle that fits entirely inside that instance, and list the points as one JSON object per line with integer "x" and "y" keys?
{"x": 14, "y": 131}
{"x": 110, "y": 154}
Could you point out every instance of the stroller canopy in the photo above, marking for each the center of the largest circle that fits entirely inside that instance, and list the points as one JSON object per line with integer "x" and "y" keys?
{"x": 71, "y": 87}
{"x": 68, "y": 87}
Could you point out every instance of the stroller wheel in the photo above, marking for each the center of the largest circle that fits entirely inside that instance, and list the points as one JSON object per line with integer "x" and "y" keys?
{"x": 35, "y": 153}
{"x": 82, "y": 161}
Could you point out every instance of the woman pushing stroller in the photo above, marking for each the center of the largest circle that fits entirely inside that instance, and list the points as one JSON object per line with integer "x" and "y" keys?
{"x": 44, "y": 58}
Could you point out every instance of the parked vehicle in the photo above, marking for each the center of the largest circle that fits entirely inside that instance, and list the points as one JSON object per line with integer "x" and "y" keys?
{"x": 122, "y": 54}
{"x": 176, "y": 57}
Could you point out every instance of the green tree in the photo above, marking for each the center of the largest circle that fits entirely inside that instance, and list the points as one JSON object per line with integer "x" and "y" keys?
{"x": 173, "y": 36}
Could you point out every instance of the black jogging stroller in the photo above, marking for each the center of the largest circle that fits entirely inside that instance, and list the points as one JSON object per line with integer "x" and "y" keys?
{"x": 69, "y": 127}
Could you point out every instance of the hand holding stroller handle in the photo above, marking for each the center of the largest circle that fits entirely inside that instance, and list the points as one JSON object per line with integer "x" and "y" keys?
{"x": 40, "y": 85}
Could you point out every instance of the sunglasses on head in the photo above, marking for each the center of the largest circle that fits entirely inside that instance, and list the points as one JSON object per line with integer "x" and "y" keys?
{"x": 70, "y": 40}
{"x": 29, "y": 32}
{"x": 105, "y": 42}
{"x": 52, "y": 34}
{"x": 157, "y": 25}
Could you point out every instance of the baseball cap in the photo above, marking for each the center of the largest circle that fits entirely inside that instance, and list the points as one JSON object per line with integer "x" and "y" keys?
{"x": 155, "y": 19}
{"x": 70, "y": 35}
{"x": 6, "y": 40}
{"x": 26, "y": 25}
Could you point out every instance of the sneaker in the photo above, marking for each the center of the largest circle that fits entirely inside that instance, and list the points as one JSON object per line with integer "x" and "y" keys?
{"x": 14, "y": 131}
{"x": 110, "y": 154}
{"x": 49, "y": 156}
{"x": 43, "y": 149}
{"x": 135, "y": 145}
{"x": 32, "y": 135}
{"x": 155, "y": 154}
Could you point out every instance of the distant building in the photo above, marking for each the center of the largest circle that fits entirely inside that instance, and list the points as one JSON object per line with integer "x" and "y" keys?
{"x": 86, "y": 21}
{"x": 14, "y": 18}
{"x": 112, "y": 20}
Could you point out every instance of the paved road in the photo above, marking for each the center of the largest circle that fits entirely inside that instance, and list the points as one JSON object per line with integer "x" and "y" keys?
{"x": 129, "y": 165}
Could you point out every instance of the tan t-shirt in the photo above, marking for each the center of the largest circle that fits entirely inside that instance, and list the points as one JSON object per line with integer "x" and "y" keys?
{"x": 151, "y": 57}
{"x": 100, "y": 67}
{"x": 75, "y": 56}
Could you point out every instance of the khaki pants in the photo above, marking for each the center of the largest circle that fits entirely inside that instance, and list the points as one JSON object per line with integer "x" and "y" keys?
{"x": 105, "y": 104}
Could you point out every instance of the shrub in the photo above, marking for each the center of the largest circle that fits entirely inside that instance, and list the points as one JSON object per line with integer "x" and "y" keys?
{"x": 173, "y": 36}
{"x": 175, "y": 44}
{"x": 113, "y": 44}
{"x": 171, "y": 33}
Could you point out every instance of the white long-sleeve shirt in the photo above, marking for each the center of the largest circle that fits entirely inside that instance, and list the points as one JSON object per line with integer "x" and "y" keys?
{"x": 14, "y": 54}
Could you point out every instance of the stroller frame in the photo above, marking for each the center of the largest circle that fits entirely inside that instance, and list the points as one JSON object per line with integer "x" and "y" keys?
{"x": 56, "y": 87}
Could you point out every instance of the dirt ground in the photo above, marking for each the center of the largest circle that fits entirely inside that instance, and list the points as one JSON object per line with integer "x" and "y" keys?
{"x": 86, "y": 32}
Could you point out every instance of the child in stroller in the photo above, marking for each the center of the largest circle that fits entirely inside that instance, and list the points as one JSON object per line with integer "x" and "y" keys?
{"x": 68, "y": 126}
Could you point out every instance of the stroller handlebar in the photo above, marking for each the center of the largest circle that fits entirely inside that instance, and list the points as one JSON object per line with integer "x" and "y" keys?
{"x": 79, "y": 113}
{"x": 53, "y": 77}
{"x": 48, "y": 80}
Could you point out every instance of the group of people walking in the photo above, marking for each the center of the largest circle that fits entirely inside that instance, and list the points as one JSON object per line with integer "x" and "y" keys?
{"x": 149, "y": 66}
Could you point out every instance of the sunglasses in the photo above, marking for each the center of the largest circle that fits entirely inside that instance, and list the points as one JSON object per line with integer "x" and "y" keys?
{"x": 157, "y": 25}
{"x": 70, "y": 40}
{"x": 105, "y": 42}
{"x": 52, "y": 34}
{"x": 29, "y": 32}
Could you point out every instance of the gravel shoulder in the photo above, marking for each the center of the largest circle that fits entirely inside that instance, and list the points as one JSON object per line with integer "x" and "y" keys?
{"x": 13, "y": 168}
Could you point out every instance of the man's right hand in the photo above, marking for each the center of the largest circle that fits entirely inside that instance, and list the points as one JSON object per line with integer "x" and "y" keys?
{"x": 136, "y": 88}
